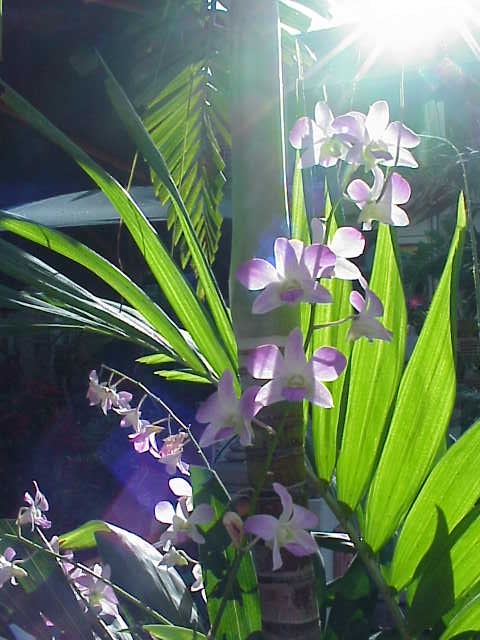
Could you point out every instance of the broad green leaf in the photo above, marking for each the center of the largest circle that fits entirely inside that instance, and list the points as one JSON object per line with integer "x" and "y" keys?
{"x": 326, "y": 422}
{"x": 156, "y": 358}
{"x": 169, "y": 277}
{"x": 162, "y": 632}
{"x": 454, "y": 487}
{"x": 183, "y": 376}
{"x": 447, "y": 579}
{"x": 422, "y": 409}
{"x": 467, "y": 622}
{"x": 157, "y": 163}
{"x": 241, "y": 616}
{"x": 375, "y": 372}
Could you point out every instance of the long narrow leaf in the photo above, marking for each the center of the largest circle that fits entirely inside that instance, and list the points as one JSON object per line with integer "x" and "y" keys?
{"x": 423, "y": 407}
{"x": 466, "y": 623}
{"x": 156, "y": 162}
{"x": 375, "y": 373}
{"x": 172, "y": 281}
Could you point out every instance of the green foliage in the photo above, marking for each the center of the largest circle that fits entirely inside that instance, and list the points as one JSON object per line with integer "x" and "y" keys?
{"x": 173, "y": 633}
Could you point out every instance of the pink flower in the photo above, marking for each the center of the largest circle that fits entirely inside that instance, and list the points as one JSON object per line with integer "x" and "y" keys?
{"x": 347, "y": 243}
{"x": 380, "y": 201}
{"x": 33, "y": 514}
{"x": 292, "y": 377}
{"x": 9, "y": 568}
{"x": 234, "y": 526}
{"x": 144, "y": 437}
{"x": 317, "y": 138}
{"x": 171, "y": 453}
{"x": 287, "y": 531}
{"x": 107, "y": 397}
{"x": 183, "y": 526}
{"x": 365, "y": 323}
{"x": 99, "y": 595}
{"x": 228, "y": 415}
{"x": 293, "y": 279}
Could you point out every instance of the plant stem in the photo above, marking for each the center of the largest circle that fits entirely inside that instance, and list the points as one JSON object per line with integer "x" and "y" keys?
{"x": 366, "y": 556}
{"x": 128, "y": 596}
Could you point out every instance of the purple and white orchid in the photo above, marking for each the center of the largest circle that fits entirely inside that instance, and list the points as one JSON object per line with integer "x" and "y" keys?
{"x": 366, "y": 323}
{"x": 9, "y": 568}
{"x": 294, "y": 277}
{"x": 93, "y": 588}
{"x": 288, "y": 531}
{"x": 292, "y": 377}
{"x": 183, "y": 526}
{"x": 144, "y": 437}
{"x": 347, "y": 243}
{"x": 33, "y": 514}
{"x": 380, "y": 202}
{"x": 317, "y": 139}
{"x": 374, "y": 140}
{"x": 170, "y": 454}
{"x": 228, "y": 415}
{"x": 106, "y": 396}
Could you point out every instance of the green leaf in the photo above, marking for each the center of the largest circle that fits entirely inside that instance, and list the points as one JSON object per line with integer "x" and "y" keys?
{"x": 157, "y": 163}
{"x": 173, "y": 633}
{"x": 422, "y": 409}
{"x": 83, "y": 537}
{"x": 454, "y": 487}
{"x": 294, "y": 18}
{"x": 375, "y": 373}
{"x": 241, "y": 616}
{"x": 326, "y": 422}
{"x": 467, "y": 621}
{"x": 183, "y": 376}
{"x": 156, "y": 358}
{"x": 169, "y": 277}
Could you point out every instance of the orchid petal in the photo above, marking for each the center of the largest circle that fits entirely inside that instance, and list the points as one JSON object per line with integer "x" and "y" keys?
{"x": 320, "y": 395}
{"x": 286, "y": 500}
{"x": 268, "y": 300}
{"x": 256, "y": 274}
{"x": 319, "y": 294}
{"x": 401, "y": 190}
{"x": 203, "y": 514}
{"x": 164, "y": 512}
{"x": 303, "y": 518}
{"x": 264, "y": 526}
{"x": 302, "y": 133}
{"x": 357, "y": 301}
{"x": 398, "y": 135}
{"x": 226, "y": 390}
{"x": 271, "y": 393}
{"x": 359, "y": 191}
{"x": 294, "y": 354}
{"x": 209, "y": 409}
{"x": 378, "y": 184}
{"x": 328, "y": 363}
{"x": 304, "y": 544}
{"x": 316, "y": 257}
{"x": 276, "y": 555}
{"x": 249, "y": 406}
{"x": 287, "y": 255}
{"x": 323, "y": 115}
{"x": 265, "y": 361}
{"x": 348, "y": 242}
{"x": 180, "y": 487}
{"x": 399, "y": 217}
{"x": 377, "y": 119}
{"x": 346, "y": 270}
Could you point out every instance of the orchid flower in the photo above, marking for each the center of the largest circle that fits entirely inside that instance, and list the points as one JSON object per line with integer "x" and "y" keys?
{"x": 317, "y": 139}
{"x": 365, "y": 323}
{"x": 287, "y": 531}
{"x": 347, "y": 243}
{"x": 33, "y": 514}
{"x": 292, "y": 377}
{"x": 234, "y": 526}
{"x": 143, "y": 438}
{"x": 99, "y": 595}
{"x": 173, "y": 558}
{"x": 374, "y": 140}
{"x": 293, "y": 279}
{"x": 171, "y": 452}
{"x": 198, "y": 582}
{"x": 107, "y": 397}
{"x": 380, "y": 202}
{"x": 182, "y": 489}
{"x": 9, "y": 568}
{"x": 228, "y": 415}
{"x": 183, "y": 526}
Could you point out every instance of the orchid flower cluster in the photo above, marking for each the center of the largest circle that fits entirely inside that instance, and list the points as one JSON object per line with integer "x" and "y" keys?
{"x": 362, "y": 140}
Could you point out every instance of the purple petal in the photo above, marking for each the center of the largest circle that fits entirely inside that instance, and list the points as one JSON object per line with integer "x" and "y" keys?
{"x": 269, "y": 299}
{"x": 317, "y": 227}
{"x": 303, "y": 518}
{"x": 406, "y": 159}
{"x": 399, "y": 217}
{"x": 303, "y": 545}
{"x": 276, "y": 555}
{"x": 397, "y": 134}
{"x": 319, "y": 294}
{"x": 359, "y": 191}
{"x": 215, "y": 433}
{"x": 287, "y": 255}
{"x": 348, "y": 242}
{"x": 256, "y": 274}
{"x": 209, "y": 410}
{"x": 203, "y": 514}
{"x": 294, "y": 394}
{"x": 265, "y": 361}
{"x": 246, "y": 435}
{"x": 249, "y": 406}
{"x": 225, "y": 388}
{"x": 375, "y": 306}
{"x": 286, "y": 500}
{"x": 320, "y": 395}
{"x": 302, "y": 133}
{"x": 294, "y": 354}
{"x": 327, "y": 363}
{"x": 350, "y": 127}
{"x": 377, "y": 119}
{"x": 264, "y": 526}
{"x": 271, "y": 393}
{"x": 401, "y": 190}
{"x": 309, "y": 157}
{"x": 317, "y": 256}
{"x": 164, "y": 512}
{"x": 9, "y": 554}
{"x": 357, "y": 301}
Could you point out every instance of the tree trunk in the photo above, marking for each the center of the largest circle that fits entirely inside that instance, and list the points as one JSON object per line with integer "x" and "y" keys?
{"x": 260, "y": 214}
